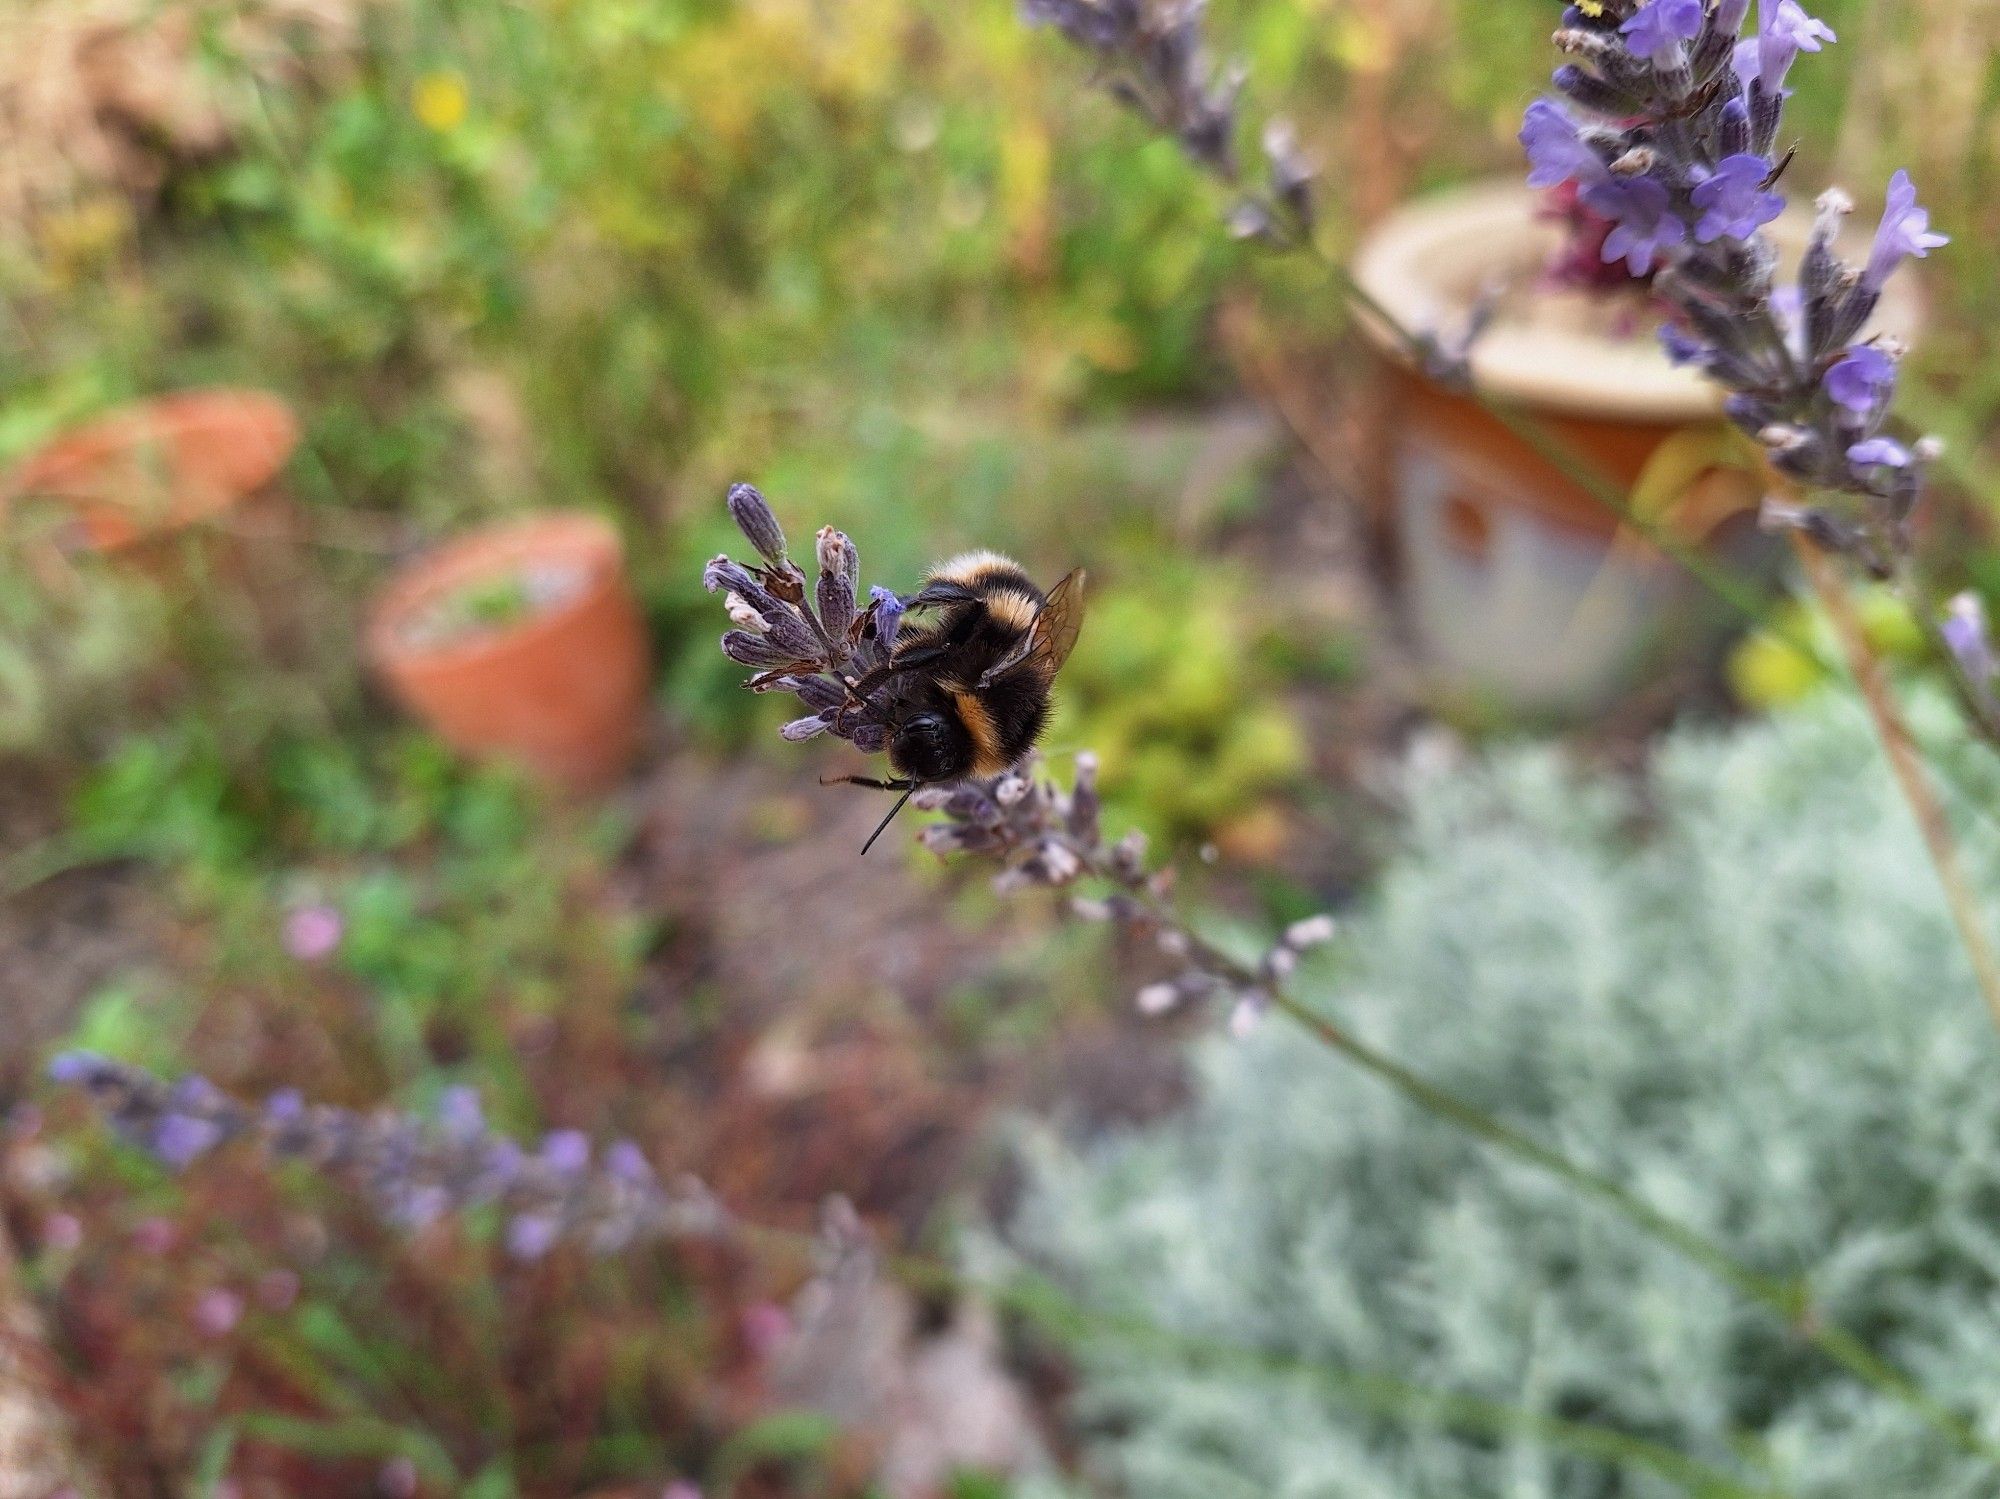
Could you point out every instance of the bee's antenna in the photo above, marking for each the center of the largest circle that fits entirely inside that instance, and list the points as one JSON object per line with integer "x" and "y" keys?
{"x": 883, "y": 825}
{"x": 908, "y": 788}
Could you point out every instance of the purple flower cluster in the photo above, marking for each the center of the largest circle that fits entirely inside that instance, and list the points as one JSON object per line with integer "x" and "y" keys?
{"x": 1666, "y": 122}
{"x": 818, "y": 643}
{"x": 1155, "y": 61}
{"x": 413, "y": 1169}
{"x": 1044, "y": 837}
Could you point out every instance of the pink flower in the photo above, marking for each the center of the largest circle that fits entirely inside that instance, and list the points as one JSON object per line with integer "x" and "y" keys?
{"x": 680, "y": 1488}
{"x": 766, "y": 1326}
{"x": 217, "y": 1313}
{"x": 312, "y": 933}
{"x": 62, "y": 1232}
{"x": 154, "y": 1236}
{"x": 397, "y": 1478}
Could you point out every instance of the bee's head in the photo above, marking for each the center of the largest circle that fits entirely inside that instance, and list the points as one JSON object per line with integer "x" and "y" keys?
{"x": 931, "y": 745}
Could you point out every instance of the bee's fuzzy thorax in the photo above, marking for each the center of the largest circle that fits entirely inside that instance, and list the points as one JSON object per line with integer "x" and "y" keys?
{"x": 989, "y": 568}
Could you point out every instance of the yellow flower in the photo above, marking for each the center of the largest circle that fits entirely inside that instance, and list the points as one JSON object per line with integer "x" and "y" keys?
{"x": 1768, "y": 671}
{"x": 439, "y": 101}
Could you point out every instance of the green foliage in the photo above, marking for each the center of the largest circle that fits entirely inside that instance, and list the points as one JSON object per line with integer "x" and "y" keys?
{"x": 74, "y": 639}
{"x": 1754, "y": 1014}
{"x": 1177, "y": 690}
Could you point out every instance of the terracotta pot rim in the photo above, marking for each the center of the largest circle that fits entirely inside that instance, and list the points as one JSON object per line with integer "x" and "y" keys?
{"x": 482, "y": 552}
{"x": 69, "y": 467}
{"x": 1425, "y": 262}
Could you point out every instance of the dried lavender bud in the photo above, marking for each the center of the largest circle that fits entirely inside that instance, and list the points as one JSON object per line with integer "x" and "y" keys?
{"x": 839, "y": 580}
{"x": 1314, "y": 931}
{"x": 824, "y": 648}
{"x": 413, "y": 1170}
{"x": 756, "y": 519}
{"x": 746, "y": 617}
{"x": 746, "y": 649}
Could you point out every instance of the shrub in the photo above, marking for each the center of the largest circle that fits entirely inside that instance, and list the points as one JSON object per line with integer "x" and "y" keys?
{"x": 1736, "y": 991}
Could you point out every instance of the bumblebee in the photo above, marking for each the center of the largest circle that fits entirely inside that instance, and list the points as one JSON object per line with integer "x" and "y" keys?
{"x": 966, "y": 688}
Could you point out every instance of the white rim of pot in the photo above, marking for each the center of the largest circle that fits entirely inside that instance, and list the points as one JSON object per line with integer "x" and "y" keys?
{"x": 1428, "y": 263}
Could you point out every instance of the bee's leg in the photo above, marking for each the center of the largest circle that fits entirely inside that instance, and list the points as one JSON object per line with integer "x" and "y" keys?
{"x": 868, "y": 782}
{"x": 915, "y": 660}
{"x": 935, "y": 595}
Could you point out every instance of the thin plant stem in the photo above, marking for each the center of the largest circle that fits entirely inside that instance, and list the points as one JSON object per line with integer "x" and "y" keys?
{"x": 1907, "y": 763}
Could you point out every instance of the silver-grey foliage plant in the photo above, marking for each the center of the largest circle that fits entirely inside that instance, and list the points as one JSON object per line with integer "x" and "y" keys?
{"x": 1754, "y": 1015}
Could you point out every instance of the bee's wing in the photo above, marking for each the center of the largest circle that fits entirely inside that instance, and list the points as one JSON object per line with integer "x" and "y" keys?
{"x": 1053, "y": 635}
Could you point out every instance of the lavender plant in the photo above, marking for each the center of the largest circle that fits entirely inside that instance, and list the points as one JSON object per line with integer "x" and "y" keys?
{"x": 1666, "y": 129}
{"x": 413, "y": 1169}
{"x": 1668, "y": 121}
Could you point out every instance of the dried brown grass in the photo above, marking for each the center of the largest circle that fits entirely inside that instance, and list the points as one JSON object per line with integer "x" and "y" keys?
{"x": 103, "y": 98}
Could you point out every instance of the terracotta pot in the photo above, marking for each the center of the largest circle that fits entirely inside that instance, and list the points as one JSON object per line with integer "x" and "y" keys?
{"x": 561, "y": 689}
{"x": 1518, "y": 584}
{"x": 148, "y": 470}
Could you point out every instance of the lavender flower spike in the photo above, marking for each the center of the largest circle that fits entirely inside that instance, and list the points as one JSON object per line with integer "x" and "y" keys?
{"x": 1783, "y": 32}
{"x": 1733, "y": 199}
{"x": 412, "y": 1169}
{"x": 1660, "y": 30}
{"x": 1905, "y": 231}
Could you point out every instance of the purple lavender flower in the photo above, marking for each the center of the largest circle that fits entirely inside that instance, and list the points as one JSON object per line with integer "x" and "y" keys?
{"x": 1660, "y": 29}
{"x": 566, "y": 1152}
{"x": 1745, "y": 63}
{"x": 1783, "y": 32}
{"x": 1880, "y": 452}
{"x": 1557, "y": 152}
{"x": 530, "y": 1236}
{"x": 1729, "y": 16}
{"x": 1684, "y": 348}
{"x": 72, "y": 1068}
{"x": 412, "y": 1169}
{"x": 460, "y": 1114}
{"x": 179, "y": 1140}
{"x": 1862, "y": 380}
{"x": 1646, "y": 227}
{"x": 1968, "y": 639}
{"x": 626, "y": 1162}
{"x": 1905, "y": 231}
{"x": 1733, "y": 198}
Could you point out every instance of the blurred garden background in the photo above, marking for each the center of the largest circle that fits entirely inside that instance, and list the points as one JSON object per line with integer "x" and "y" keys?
{"x": 901, "y": 265}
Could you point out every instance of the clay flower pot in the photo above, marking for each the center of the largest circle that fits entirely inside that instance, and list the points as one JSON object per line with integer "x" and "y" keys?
{"x": 1518, "y": 585}
{"x": 521, "y": 640}
{"x": 146, "y": 471}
